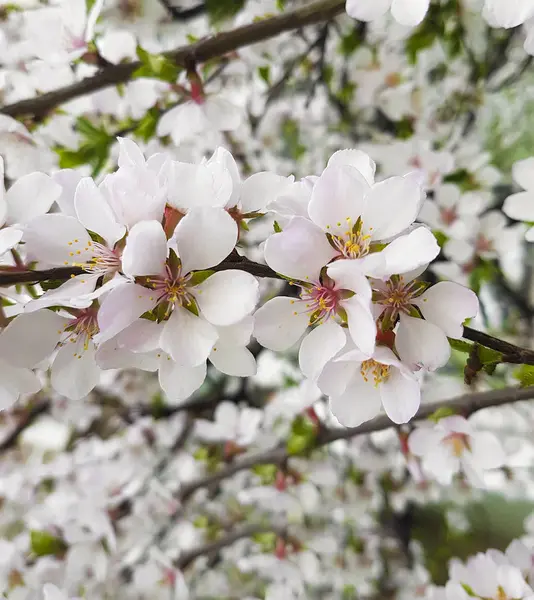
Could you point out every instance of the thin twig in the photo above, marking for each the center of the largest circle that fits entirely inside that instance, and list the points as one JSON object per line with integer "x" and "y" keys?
{"x": 26, "y": 421}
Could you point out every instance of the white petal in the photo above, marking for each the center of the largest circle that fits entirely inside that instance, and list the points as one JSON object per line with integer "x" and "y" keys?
{"x": 9, "y": 238}
{"x": 280, "y": 323}
{"x": 423, "y": 439}
{"x": 141, "y": 336}
{"x": 238, "y": 334}
{"x": 260, "y": 189}
{"x": 188, "y": 338}
{"x": 357, "y": 159}
{"x": 487, "y": 451}
{"x": 216, "y": 296}
{"x": 523, "y": 173}
{"x": 121, "y": 307}
{"x": 421, "y": 343}
{"x": 179, "y": 382}
{"x": 319, "y": 346}
{"x": 336, "y": 376}
{"x": 367, "y": 10}
{"x": 222, "y": 115}
{"x": 194, "y": 186}
{"x": 520, "y": 206}
{"x": 237, "y": 361}
{"x": 362, "y": 326}
{"x": 409, "y": 12}
{"x": 145, "y": 252}
{"x": 81, "y": 285}
{"x": 338, "y": 199}
{"x": 359, "y": 403}
{"x": 448, "y": 305}
{"x": 508, "y": 14}
{"x": 74, "y": 372}
{"x": 401, "y": 396}
{"x": 182, "y": 122}
{"x": 300, "y": 251}
{"x": 57, "y": 240}
{"x": 348, "y": 275}
{"x": 15, "y": 381}
{"x": 31, "y": 196}
{"x": 94, "y": 212}
{"x": 19, "y": 344}
{"x": 110, "y": 356}
{"x": 205, "y": 237}
{"x": 129, "y": 153}
{"x": 68, "y": 179}
{"x": 408, "y": 252}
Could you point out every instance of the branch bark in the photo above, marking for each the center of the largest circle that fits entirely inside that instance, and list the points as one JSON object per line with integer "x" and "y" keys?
{"x": 466, "y": 405}
{"x": 199, "y": 52}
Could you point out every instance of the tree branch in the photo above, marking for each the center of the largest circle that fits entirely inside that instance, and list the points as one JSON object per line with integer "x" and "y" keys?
{"x": 199, "y": 52}
{"x": 511, "y": 353}
{"x": 27, "y": 419}
{"x": 466, "y": 405}
{"x": 183, "y": 14}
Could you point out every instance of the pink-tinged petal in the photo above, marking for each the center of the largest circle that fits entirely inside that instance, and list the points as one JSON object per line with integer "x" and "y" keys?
{"x": 338, "y": 199}
{"x": 179, "y": 382}
{"x": 221, "y": 114}
{"x": 357, "y": 159}
{"x": 31, "y": 196}
{"x": 362, "y": 325}
{"x": 216, "y": 296}
{"x": 68, "y": 179}
{"x": 456, "y": 424}
{"x": 300, "y": 251}
{"x": 280, "y": 323}
{"x": 74, "y": 372}
{"x": 520, "y": 206}
{"x": 367, "y": 11}
{"x": 392, "y": 206}
{"x": 260, "y": 189}
{"x": 9, "y": 238}
{"x": 487, "y": 452}
{"x": 204, "y": 238}
{"x": 130, "y": 155}
{"x": 95, "y": 213}
{"x": 423, "y": 439}
{"x": 110, "y": 356}
{"x": 238, "y": 334}
{"x": 57, "y": 240}
{"x": 348, "y": 275}
{"x": 359, "y": 403}
{"x": 420, "y": 343}
{"x": 31, "y": 337}
{"x": 182, "y": 122}
{"x": 121, "y": 307}
{"x": 319, "y": 346}
{"x": 237, "y": 361}
{"x": 401, "y": 396}
{"x": 408, "y": 252}
{"x": 141, "y": 336}
{"x": 409, "y": 12}
{"x": 523, "y": 173}
{"x": 448, "y": 305}
{"x": 14, "y": 382}
{"x": 512, "y": 581}
{"x": 188, "y": 338}
{"x": 73, "y": 288}
{"x": 145, "y": 252}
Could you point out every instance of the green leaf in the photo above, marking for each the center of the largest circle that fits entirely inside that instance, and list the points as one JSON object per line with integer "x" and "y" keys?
{"x": 441, "y": 238}
{"x": 298, "y": 444}
{"x": 441, "y": 413}
{"x": 460, "y": 345}
{"x": 349, "y": 43}
{"x": 146, "y": 128}
{"x": 277, "y": 228}
{"x": 45, "y": 544}
{"x": 265, "y": 73}
{"x": 489, "y": 356}
{"x": 221, "y": 10}
{"x": 156, "y": 66}
{"x": 267, "y": 473}
{"x": 525, "y": 375}
{"x": 200, "y": 276}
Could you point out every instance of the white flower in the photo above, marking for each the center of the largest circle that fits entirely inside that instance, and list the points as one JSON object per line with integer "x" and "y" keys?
{"x": 520, "y": 206}
{"x": 451, "y": 445}
{"x": 359, "y": 385}
{"x": 15, "y": 381}
{"x": 500, "y": 13}
{"x": 231, "y": 423}
{"x": 406, "y": 12}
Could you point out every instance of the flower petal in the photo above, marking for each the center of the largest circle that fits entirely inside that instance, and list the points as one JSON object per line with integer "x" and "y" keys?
{"x": 145, "y": 252}
{"x": 280, "y": 323}
{"x": 205, "y": 237}
{"x": 420, "y": 343}
{"x": 487, "y": 451}
{"x": 237, "y": 361}
{"x": 31, "y": 196}
{"x": 362, "y": 325}
{"x": 9, "y": 238}
{"x": 188, "y": 338}
{"x": 448, "y": 305}
{"x": 338, "y": 199}
{"x": 408, "y": 252}
{"x": 319, "y": 346}
{"x": 409, "y": 12}
{"x": 14, "y": 382}
{"x": 260, "y": 189}
{"x": 401, "y": 396}
{"x": 179, "y": 382}
{"x": 300, "y": 251}
{"x": 74, "y": 372}
{"x": 359, "y": 403}
{"x": 367, "y": 11}
{"x": 520, "y": 206}
{"x": 357, "y": 159}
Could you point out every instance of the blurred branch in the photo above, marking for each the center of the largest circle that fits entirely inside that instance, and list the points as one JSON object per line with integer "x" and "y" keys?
{"x": 183, "y": 14}
{"x": 27, "y": 419}
{"x": 511, "y": 353}
{"x": 199, "y": 52}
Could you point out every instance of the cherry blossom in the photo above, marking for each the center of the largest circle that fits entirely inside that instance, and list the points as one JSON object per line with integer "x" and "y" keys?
{"x": 406, "y": 12}
{"x": 519, "y": 206}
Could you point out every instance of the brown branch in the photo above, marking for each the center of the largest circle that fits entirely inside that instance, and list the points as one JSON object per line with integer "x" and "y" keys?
{"x": 201, "y": 51}
{"x": 466, "y": 405}
{"x": 210, "y": 548}
{"x": 511, "y": 353}
{"x": 27, "y": 419}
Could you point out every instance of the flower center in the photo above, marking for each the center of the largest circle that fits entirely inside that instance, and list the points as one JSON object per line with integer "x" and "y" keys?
{"x": 322, "y": 301}
{"x": 458, "y": 443}
{"x": 80, "y": 330}
{"x": 396, "y": 297}
{"x": 448, "y": 215}
{"x": 378, "y": 371}
{"x": 103, "y": 260}
{"x": 353, "y": 243}
{"x": 171, "y": 289}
